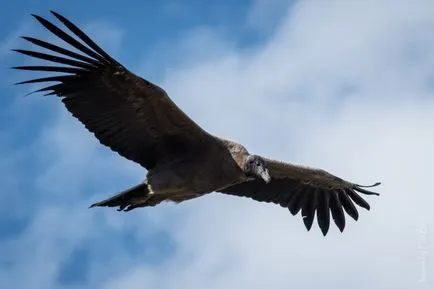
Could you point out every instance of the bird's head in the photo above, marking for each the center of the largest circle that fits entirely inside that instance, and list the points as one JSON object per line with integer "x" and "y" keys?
{"x": 255, "y": 167}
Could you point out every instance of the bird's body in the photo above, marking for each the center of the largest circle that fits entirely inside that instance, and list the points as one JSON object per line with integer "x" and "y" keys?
{"x": 137, "y": 119}
{"x": 194, "y": 175}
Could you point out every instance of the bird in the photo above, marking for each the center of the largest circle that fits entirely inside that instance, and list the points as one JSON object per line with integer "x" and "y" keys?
{"x": 138, "y": 120}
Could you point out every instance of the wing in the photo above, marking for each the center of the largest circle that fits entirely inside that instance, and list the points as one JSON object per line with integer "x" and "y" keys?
{"x": 127, "y": 113}
{"x": 306, "y": 189}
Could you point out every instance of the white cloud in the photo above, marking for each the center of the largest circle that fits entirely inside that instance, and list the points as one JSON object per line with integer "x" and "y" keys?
{"x": 339, "y": 85}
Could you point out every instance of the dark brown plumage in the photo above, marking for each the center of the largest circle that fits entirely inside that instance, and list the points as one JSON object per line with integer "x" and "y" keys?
{"x": 307, "y": 190}
{"x": 137, "y": 119}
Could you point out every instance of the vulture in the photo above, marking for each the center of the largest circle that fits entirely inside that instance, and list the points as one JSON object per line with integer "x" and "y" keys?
{"x": 137, "y": 119}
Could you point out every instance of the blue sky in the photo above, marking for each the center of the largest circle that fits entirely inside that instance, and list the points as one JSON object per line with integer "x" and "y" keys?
{"x": 346, "y": 86}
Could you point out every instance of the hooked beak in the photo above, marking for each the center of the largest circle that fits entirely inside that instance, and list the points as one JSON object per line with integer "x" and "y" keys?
{"x": 265, "y": 175}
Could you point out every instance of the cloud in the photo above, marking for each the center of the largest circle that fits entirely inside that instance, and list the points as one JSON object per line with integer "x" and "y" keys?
{"x": 345, "y": 86}
{"x": 265, "y": 15}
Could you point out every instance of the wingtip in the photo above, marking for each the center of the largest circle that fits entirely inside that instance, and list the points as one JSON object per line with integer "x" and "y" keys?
{"x": 340, "y": 224}
{"x": 57, "y": 15}
{"x": 93, "y": 205}
{"x": 324, "y": 232}
{"x": 35, "y": 16}
{"x": 20, "y": 51}
{"x": 370, "y": 186}
{"x": 359, "y": 188}
{"x": 27, "y": 38}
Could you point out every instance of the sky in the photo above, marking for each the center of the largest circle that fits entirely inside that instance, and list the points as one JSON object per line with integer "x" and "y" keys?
{"x": 347, "y": 86}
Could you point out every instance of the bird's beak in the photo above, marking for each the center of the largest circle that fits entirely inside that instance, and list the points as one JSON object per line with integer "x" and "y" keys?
{"x": 265, "y": 175}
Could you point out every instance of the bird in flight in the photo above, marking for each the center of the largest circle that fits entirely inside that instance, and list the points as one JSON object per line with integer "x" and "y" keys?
{"x": 139, "y": 121}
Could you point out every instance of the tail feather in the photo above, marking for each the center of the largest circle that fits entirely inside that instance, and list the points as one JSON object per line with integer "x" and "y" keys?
{"x": 140, "y": 196}
{"x": 130, "y": 197}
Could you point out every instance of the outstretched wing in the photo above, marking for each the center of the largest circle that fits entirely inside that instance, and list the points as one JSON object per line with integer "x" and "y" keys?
{"x": 127, "y": 113}
{"x": 306, "y": 189}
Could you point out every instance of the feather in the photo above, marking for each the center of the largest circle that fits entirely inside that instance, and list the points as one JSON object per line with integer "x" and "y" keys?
{"x": 65, "y": 37}
{"x": 51, "y": 68}
{"x": 61, "y": 50}
{"x": 77, "y": 31}
{"x": 323, "y": 211}
{"x": 294, "y": 204}
{"x": 337, "y": 211}
{"x": 57, "y": 59}
{"x": 308, "y": 208}
{"x": 348, "y": 205}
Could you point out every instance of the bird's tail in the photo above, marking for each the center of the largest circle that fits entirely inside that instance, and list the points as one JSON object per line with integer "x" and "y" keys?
{"x": 135, "y": 197}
